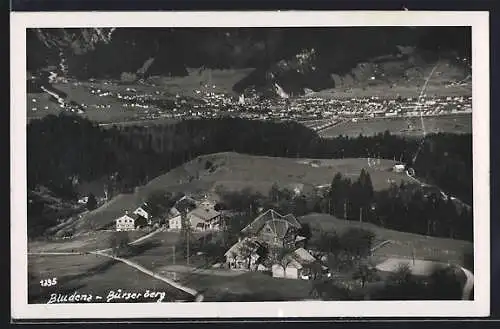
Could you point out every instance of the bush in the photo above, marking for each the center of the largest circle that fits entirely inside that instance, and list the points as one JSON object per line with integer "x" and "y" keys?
{"x": 91, "y": 202}
{"x": 357, "y": 242}
{"x": 208, "y": 165}
{"x": 119, "y": 242}
{"x": 444, "y": 285}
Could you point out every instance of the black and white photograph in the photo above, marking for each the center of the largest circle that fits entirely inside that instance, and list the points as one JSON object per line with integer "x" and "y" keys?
{"x": 181, "y": 163}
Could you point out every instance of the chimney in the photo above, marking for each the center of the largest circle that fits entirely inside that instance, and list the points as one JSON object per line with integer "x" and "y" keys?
{"x": 126, "y": 212}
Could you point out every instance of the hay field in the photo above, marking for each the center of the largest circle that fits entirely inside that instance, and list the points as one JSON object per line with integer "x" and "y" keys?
{"x": 88, "y": 241}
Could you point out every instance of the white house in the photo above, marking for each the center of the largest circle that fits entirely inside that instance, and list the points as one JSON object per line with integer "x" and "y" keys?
{"x": 125, "y": 223}
{"x": 203, "y": 219}
{"x": 175, "y": 222}
{"x": 145, "y": 212}
{"x": 399, "y": 168}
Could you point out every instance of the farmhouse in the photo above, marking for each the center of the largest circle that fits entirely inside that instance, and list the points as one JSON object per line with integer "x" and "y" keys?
{"x": 274, "y": 229}
{"x": 203, "y": 219}
{"x": 245, "y": 254}
{"x": 125, "y": 223}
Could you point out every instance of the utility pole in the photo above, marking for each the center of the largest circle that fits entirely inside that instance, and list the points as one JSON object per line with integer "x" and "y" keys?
{"x": 345, "y": 209}
{"x": 361, "y": 214}
{"x": 187, "y": 254}
{"x": 186, "y": 227}
{"x": 413, "y": 254}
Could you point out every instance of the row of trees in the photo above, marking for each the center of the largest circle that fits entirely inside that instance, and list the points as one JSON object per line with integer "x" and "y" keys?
{"x": 442, "y": 284}
{"x": 404, "y": 207}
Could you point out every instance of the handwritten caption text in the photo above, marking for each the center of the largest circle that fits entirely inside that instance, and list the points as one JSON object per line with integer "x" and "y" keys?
{"x": 112, "y": 296}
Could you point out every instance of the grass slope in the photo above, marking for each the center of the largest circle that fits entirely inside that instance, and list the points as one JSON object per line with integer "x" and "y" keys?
{"x": 235, "y": 171}
{"x": 404, "y": 245}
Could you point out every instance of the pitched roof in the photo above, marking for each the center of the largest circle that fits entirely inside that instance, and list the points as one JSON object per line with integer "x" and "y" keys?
{"x": 237, "y": 248}
{"x": 279, "y": 227}
{"x": 303, "y": 255}
{"x": 126, "y": 216}
{"x": 146, "y": 207}
{"x": 300, "y": 258}
{"x": 279, "y": 222}
{"x": 173, "y": 212}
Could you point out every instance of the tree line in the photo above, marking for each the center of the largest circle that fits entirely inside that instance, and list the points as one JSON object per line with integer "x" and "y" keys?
{"x": 405, "y": 207}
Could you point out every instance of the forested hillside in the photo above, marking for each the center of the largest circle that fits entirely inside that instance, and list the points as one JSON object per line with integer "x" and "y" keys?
{"x": 137, "y": 154}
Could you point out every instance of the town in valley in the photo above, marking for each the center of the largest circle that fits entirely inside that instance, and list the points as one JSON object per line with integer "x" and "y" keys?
{"x": 250, "y": 167}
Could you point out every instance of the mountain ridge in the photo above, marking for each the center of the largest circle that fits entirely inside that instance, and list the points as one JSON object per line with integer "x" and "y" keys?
{"x": 296, "y": 59}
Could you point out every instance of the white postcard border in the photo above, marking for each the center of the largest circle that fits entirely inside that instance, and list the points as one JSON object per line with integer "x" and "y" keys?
{"x": 481, "y": 205}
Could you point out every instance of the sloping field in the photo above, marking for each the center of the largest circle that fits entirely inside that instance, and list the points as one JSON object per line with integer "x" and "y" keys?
{"x": 286, "y": 172}
{"x": 235, "y": 171}
{"x": 89, "y": 241}
{"x": 402, "y": 244}
{"x": 453, "y": 123}
{"x": 91, "y": 274}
